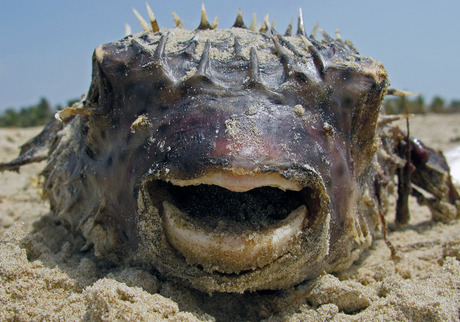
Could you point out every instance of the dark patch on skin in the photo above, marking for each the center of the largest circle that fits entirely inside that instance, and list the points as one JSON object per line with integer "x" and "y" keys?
{"x": 341, "y": 170}
{"x": 347, "y": 75}
{"x": 378, "y": 87}
{"x": 276, "y": 100}
{"x": 163, "y": 107}
{"x": 301, "y": 77}
{"x": 84, "y": 131}
{"x": 89, "y": 152}
{"x": 161, "y": 86}
{"x": 123, "y": 156}
{"x": 347, "y": 102}
{"x": 122, "y": 69}
{"x": 125, "y": 235}
{"x": 115, "y": 121}
{"x": 163, "y": 128}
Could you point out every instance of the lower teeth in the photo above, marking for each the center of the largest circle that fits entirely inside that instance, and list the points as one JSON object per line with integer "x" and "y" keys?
{"x": 231, "y": 247}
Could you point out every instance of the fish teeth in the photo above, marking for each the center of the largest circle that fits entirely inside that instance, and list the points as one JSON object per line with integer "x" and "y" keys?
{"x": 229, "y": 249}
{"x": 242, "y": 182}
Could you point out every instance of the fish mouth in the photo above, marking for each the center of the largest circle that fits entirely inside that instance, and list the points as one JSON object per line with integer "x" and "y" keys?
{"x": 232, "y": 224}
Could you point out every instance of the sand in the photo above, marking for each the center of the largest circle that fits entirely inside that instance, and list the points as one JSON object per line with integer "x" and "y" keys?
{"x": 45, "y": 276}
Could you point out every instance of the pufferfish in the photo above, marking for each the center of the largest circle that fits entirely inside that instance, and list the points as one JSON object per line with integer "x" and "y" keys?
{"x": 235, "y": 159}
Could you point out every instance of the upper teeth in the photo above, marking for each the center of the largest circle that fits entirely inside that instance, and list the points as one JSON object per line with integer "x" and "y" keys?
{"x": 227, "y": 250}
{"x": 241, "y": 182}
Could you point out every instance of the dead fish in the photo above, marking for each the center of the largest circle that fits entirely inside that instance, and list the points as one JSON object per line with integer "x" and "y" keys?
{"x": 233, "y": 160}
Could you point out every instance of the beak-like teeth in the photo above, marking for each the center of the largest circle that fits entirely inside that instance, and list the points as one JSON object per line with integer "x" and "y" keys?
{"x": 228, "y": 248}
{"x": 243, "y": 182}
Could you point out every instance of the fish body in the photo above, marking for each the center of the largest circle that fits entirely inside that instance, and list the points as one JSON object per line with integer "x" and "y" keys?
{"x": 231, "y": 160}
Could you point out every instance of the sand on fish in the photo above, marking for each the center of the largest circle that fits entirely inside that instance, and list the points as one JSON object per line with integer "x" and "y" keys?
{"x": 45, "y": 275}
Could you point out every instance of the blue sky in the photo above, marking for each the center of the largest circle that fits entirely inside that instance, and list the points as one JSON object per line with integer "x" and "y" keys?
{"x": 46, "y": 46}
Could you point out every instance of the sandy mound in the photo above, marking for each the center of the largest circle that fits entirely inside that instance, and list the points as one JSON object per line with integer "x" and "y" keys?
{"x": 44, "y": 275}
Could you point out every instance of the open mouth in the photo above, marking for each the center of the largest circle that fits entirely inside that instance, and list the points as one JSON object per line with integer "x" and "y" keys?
{"x": 232, "y": 225}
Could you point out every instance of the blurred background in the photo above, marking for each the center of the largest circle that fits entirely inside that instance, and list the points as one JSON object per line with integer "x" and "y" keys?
{"x": 46, "y": 46}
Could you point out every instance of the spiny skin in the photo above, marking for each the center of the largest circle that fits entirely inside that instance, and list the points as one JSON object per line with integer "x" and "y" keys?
{"x": 200, "y": 122}
{"x": 179, "y": 105}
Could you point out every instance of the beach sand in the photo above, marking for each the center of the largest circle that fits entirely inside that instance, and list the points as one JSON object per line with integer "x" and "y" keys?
{"x": 45, "y": 276}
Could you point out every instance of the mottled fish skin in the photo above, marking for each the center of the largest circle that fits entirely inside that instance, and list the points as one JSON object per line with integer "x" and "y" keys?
{"x": 169, "y": 106}
{"x": 269, "y": 108}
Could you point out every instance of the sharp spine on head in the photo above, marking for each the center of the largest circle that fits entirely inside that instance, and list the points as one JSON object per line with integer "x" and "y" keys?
{"x": 239, "y": 23}
{"x": 237, "y": 47}
{"x": 351, "y": 46}
{"x": 253, "y": 69}
{"x": 63, "y": 115}
{"x": 386, "y": 119}
{"x": 397, "y": 92}
{"x": 273, "y": 23}
{"x": 300, "y": 25}
{"x": 204, "y": 23}
{"x": 313, "y": 32}
{"x": 266, "y": 25}
{"x": 306, "y": 42}
{"x": 143, "y": 23}
{"x": 289, "y": 28}
{"x": 253, "y": 25}
{"x": 191, "y": 47}
{"x": 279, "y": 51}
{"x": 153, "y": 20}
{"x": 285, "y": 60}
{"x": 289, "y": 45}
{"x": 317, "y": 58}
{"x": 128, "y": 30}
{"x": 177, "y": 20}
{"x": 215, "y": 22}
{"x": 204, "y": 61}
{"x": 338, "y": 36}
{"x": 325, "y": 35}
{"x": 160, "y": 50}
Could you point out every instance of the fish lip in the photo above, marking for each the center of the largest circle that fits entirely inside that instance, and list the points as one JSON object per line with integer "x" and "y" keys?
{"x": 319, "y": 218}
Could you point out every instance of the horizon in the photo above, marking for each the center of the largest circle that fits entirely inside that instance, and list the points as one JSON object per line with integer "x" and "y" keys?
{"x": 47, "y": 51}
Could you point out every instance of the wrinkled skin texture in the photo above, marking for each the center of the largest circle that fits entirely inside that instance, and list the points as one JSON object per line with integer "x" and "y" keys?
{"x": 169, "y": 112}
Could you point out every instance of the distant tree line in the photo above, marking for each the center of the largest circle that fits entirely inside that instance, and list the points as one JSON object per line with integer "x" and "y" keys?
{"x": 33, "y": 115}
{"x": 417, "y": 105}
